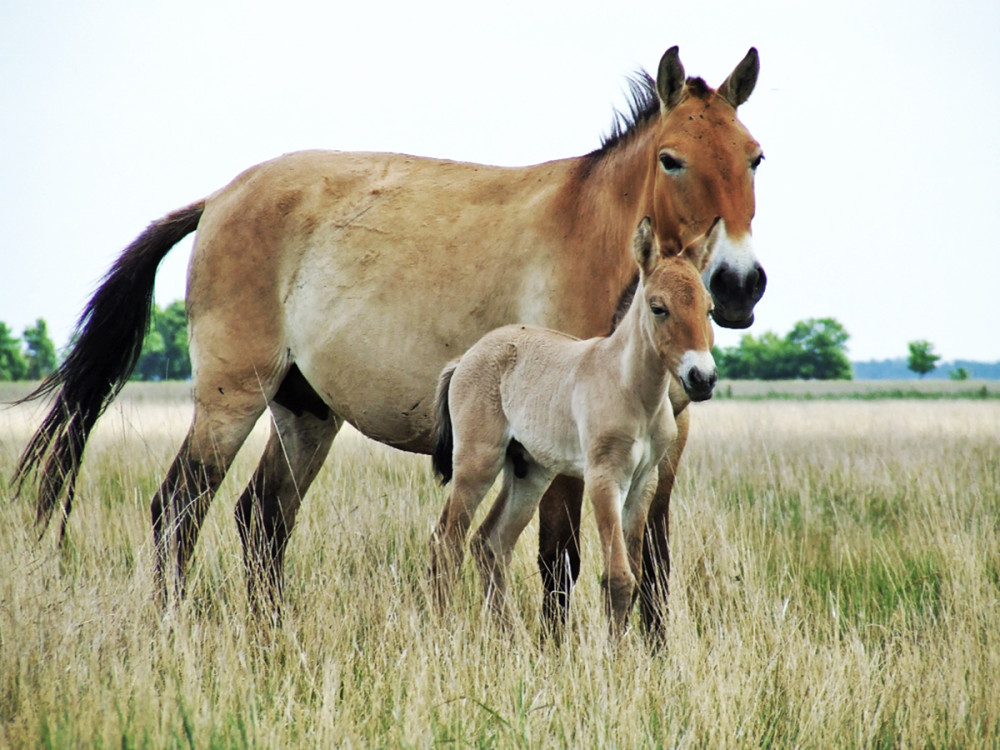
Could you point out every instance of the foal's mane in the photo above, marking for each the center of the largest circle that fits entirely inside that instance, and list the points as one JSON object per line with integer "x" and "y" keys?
{"x": 643, "y": 106}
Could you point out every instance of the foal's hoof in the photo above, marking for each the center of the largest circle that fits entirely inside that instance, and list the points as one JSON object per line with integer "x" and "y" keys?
{"x": 619, "y": 596}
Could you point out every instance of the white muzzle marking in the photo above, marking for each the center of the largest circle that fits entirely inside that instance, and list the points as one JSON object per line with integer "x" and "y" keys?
{"x": 738, "y": 255}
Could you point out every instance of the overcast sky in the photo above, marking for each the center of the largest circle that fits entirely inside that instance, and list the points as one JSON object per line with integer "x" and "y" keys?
{"x": 880, "y": 122}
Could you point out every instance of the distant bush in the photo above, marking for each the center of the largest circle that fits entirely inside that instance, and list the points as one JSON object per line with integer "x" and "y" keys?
{"x": 32, "y": 359}
{"x": 165, "y": 353}
{"x": 815, "y": 349}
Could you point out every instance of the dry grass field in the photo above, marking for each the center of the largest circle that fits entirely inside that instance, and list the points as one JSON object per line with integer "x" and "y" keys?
{"x": 836, "y": 584}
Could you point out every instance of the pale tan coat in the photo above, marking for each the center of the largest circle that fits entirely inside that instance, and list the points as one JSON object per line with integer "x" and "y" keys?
{"x": 332, "y": 287}
{"x": 537, "y": 403}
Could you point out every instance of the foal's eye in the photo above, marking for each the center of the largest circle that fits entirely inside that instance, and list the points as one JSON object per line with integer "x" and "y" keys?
{"x": 659, "y": 311}
{"x": 670, "y": 164}
{"x": 756, "y": 162}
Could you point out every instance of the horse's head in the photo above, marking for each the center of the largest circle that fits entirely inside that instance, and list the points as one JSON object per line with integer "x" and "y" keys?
{"x": 703, "y": 162}
{"x": 676, "y": 306}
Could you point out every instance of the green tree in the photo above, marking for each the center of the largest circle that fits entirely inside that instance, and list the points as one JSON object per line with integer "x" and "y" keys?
{"x": 165, "y": 350}
{"x": 814, "y": 349}
{"x": 41, "y": 355}
{"x": 821, "y": 344}
{"x": 769, "y": 357}
{"x": 922, "y": 358}
{"x": 959, "y": 373}
{"x": 12, "y": 363}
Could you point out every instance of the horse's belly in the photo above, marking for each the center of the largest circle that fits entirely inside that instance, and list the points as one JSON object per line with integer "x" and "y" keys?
{"x": 383, "y": 396}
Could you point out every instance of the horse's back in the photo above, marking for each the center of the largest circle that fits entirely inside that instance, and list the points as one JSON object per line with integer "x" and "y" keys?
{"x": 369, "y": 272}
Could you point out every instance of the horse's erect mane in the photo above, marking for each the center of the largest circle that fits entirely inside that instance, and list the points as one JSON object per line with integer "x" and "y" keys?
{"x": 643, "y": 106}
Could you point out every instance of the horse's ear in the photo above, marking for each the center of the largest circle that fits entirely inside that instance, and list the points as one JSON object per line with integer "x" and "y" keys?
{"x": 642, "y": 246}
{"x": 737, "y": 88}
{"x": 670, "y": 79}
{"x": 700, "y": 250}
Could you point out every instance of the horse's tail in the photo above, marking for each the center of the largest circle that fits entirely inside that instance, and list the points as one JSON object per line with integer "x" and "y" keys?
{"x": 444, "y": 437}
{"x": 108, "y": 342}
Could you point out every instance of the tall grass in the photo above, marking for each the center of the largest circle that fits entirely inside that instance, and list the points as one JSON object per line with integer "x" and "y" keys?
{"x": 836, "y": 582}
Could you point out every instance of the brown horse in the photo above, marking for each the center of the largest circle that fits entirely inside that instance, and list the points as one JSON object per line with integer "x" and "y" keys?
{"x": 534, "y": 403}
{"x": 333, "y": 287}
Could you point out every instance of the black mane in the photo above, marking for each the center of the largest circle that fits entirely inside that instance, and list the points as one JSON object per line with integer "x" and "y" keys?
{"x": 643, "y": 106}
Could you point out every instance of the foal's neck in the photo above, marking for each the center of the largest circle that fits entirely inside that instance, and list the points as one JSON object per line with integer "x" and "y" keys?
{"x": 630, "y": 347}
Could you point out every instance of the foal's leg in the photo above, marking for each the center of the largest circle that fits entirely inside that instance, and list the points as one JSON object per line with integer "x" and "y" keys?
{"x": 493, "y": 543}
{"x": 559, "y": 548}
{"x": 656, "y": 549}
{"x": 178, "y": 508}
{"x": 301, "y": 435}
{"x": 618, "y": 581}
{"x": 475, "y": 469}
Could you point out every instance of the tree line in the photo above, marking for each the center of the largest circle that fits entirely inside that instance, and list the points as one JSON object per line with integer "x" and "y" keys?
{"x": 30, "y": 359}
{"x": 815, "y": 349}
{"x": 164, "y": 350}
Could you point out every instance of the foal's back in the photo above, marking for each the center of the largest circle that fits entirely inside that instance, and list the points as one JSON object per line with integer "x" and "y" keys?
{"x": 524, "y": 379}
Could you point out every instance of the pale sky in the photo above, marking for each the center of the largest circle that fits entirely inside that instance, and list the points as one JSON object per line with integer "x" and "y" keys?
{"x": 880, "y": 123}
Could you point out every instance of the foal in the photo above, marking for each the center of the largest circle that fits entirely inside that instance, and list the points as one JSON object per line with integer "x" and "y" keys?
{"x": 537, "y": 403}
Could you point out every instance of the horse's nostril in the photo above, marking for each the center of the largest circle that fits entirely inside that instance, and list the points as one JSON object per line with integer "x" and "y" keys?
{"x": 723, "y": 284}
{"x": 755, "y": 283}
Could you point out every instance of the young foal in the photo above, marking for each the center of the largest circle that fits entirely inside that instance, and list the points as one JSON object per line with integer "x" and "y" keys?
{"x": 537, "y": 403}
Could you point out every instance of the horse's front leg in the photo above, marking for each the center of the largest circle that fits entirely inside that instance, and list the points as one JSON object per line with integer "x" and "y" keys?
{"x": 559, "y": 549}
{"x": 656, "y": 549}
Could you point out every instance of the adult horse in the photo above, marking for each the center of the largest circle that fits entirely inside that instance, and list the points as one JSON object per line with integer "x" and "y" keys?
{"x": 333, "y": 287}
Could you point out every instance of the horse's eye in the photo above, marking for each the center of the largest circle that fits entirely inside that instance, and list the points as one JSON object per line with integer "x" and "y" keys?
{"x": 659, "y": 311}
{"x": 756, "y": 162}
{"x": 670, "y": 164}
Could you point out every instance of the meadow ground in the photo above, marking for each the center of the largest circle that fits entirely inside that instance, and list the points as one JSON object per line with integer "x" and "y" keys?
{"x": 836, "y": 583}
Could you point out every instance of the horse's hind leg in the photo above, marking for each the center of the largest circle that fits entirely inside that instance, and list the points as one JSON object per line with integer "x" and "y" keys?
{"x": 179, "y": 506}
{"x": 302, "y": 430}
{"x": 559, "y": 548}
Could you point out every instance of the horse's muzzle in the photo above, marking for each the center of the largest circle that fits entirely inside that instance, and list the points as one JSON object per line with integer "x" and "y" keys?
{"x": 735, "y": 294}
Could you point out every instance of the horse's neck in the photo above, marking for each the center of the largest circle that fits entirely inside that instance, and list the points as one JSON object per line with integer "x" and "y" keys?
{"x": 607, "y": 193}
{"x": 632, "y": 355}
{"x": 612, "y": 186}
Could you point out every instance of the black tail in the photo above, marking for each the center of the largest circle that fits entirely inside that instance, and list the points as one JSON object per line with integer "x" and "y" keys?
{"x": 444, "y": 438}
{"x": 109, "y": 337}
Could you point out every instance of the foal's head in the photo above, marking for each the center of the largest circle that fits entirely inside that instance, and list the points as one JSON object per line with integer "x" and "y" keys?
{"x": 676, "y": 307}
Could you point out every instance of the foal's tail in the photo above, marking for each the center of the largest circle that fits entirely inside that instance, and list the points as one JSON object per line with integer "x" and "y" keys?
{"x": 444, "y": 438}
{"x": 109, "y": 337}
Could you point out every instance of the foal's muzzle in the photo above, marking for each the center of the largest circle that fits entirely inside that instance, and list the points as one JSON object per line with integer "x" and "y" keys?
{"x": 699, "y": 384}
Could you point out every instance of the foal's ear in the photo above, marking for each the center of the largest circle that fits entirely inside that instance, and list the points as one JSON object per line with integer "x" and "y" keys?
{"x": 737, "y": 88}
{"x": 670, "y": 79}
{"x": 699, "y": 252}
{"x": 642, "y": 245}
